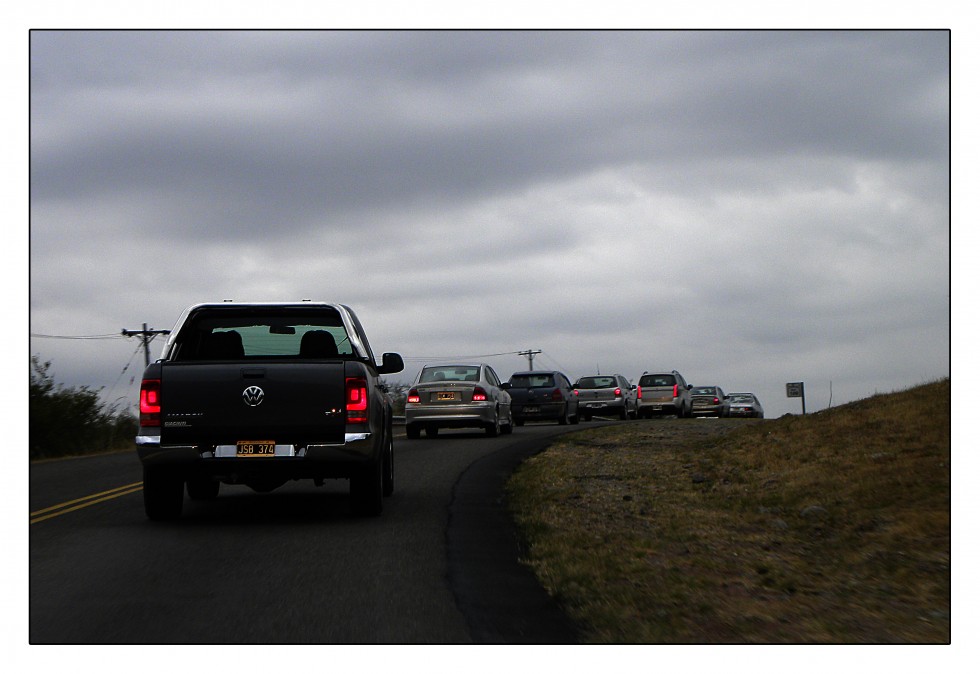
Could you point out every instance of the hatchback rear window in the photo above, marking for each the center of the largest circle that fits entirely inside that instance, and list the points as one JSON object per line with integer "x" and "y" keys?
{"x": 532, "y": 381}
{"x": 596, "y": 382}
{"x": 658, "y": 380}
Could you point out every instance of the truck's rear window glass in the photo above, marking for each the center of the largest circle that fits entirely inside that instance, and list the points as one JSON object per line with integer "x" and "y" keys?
{"x": 230, "y": 335}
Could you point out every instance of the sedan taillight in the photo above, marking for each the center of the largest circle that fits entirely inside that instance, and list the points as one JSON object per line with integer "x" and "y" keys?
{"x": 479, "y": 395}
{"x": 413, "y": 396}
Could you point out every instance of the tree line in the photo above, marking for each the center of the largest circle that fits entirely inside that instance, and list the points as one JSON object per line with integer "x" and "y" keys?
{"x": 67, "y": 421}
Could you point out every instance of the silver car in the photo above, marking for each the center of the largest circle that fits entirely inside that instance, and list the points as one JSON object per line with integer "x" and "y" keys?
{"x": 606, "y": 394}
{"x": 709, "y": 401}
{"x": 664, "y": 393}
{"x": 744, "y": 405}
{"x": 457, "y": 396}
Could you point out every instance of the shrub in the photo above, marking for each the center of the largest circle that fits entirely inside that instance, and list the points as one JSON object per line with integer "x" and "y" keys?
{"x": 66, "y": 421}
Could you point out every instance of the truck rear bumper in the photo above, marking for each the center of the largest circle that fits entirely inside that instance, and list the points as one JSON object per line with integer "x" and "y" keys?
{"x": 356, "y": 448}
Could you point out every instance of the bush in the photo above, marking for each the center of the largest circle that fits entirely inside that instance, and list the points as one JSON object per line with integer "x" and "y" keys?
{"x": 66, "y": 421}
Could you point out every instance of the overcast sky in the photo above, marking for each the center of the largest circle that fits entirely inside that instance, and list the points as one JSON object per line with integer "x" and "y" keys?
{"x": 749, "y": 208}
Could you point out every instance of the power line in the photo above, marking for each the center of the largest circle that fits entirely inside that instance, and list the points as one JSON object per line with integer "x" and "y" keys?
{"x": 40, "y": 336}
{"x": 437, "y": 358}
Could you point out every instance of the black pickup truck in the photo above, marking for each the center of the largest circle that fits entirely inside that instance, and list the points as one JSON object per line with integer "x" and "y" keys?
{"x": 260, "y": 394}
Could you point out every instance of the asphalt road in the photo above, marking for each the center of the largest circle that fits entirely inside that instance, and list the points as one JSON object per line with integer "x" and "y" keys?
{"x": 439, "y": 566}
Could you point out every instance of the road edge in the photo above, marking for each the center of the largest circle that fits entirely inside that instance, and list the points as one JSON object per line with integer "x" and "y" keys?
{"x": 500, "y": 598}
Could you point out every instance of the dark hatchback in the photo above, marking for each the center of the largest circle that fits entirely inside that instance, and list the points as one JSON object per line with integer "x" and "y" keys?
{"x": 542, "y": 396}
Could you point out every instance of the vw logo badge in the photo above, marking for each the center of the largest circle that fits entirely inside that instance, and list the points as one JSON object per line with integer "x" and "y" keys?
{"x": 253, "y": 396}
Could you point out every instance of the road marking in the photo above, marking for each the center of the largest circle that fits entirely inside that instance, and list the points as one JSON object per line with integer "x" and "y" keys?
{"x": 84, "y": 502}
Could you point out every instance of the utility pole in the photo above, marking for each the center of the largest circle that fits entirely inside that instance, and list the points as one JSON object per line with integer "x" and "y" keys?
{"x": 147, "y": 336}
{"x": 529, "y": 354}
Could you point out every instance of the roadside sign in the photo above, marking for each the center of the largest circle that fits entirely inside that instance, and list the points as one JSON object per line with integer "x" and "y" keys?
{"x": 795, "y": 390}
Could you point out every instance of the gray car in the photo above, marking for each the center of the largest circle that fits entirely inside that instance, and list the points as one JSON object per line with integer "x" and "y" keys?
{"x": 604, "y": 394}
{"x": 542, "y": 396}
{"x": 709, "y": 401}
{"x": 744, "y": 405}
{"x": 662, "y": 393}
{"x": 457, "y": 396}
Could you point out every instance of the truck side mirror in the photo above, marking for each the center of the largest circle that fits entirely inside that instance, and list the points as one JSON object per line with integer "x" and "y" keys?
{"x": 391, "y": 363}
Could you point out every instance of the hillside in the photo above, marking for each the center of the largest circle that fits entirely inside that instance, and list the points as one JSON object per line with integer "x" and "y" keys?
{"x": 828, "y": 528}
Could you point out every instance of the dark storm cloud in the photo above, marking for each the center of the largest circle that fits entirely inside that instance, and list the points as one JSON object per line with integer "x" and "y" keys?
{"x": 248, "y": 125}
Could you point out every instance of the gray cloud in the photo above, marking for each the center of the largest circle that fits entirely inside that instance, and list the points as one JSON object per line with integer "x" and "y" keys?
{"x": 751, "y": 207}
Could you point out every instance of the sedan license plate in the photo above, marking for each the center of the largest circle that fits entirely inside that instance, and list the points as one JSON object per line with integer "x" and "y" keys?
{"x": 444, "y": 396}
{"x": 249, "y": 448}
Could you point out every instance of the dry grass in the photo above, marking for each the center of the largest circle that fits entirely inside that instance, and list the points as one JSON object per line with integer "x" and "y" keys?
{"x": 829, "y": 528}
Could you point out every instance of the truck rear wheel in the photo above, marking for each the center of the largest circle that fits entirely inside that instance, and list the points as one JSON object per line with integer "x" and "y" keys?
{"x": 367, "y": 489}
{"x": 203, "y": 489}
{"x": 388, "y": 486}
{"x": 163, "y": 494}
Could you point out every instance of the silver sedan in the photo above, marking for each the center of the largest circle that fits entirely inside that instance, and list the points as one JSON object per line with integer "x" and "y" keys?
{"x": 457, "y": 396}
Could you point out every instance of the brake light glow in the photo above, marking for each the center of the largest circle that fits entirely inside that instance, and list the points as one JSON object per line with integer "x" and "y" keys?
{"x": 675, "y": 390}
{"x": 357, "y": 400}
{"x": 618, "y": 392}
{"x": 150, "y": 402}
{"x": 413, "y": 396}
{"x": 479, "y": 395}
{"x": 639, "y": 393}
{"x": 717, "y": 401}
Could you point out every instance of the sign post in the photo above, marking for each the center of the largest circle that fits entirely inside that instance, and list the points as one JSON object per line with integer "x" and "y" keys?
{"x": 795, "y": 390}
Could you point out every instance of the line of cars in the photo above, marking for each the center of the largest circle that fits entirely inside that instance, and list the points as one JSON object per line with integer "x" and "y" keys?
{"x": 471, "y": 395}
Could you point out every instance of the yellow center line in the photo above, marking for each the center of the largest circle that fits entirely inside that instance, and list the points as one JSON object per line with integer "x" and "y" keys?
{"x": 84, "y": 502}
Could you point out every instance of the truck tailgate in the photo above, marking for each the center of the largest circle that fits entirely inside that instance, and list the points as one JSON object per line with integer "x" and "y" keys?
{"x": 223, "y": 403}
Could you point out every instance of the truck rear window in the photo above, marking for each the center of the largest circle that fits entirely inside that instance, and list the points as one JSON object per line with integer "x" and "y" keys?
{"x": 217, "y": 334}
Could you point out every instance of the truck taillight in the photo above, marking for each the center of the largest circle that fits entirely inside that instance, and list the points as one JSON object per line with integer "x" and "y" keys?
{"x": 413, "y": 396}
{"x": 150, "y": 402}
{"x": 357, "y": 400}
{"x": 556, "y": 395}
{"x": 479, "y": 395}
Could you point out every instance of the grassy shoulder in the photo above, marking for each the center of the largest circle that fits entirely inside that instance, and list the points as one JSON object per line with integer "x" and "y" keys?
{"x": 828, "y": 528}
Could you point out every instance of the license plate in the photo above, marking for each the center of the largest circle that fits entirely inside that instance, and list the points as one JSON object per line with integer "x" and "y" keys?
{"x": 595, "y": 405}
{"x": 530, "y": 410}
{"x": 255, "y": 448}
{"x": 442, "y": 396}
